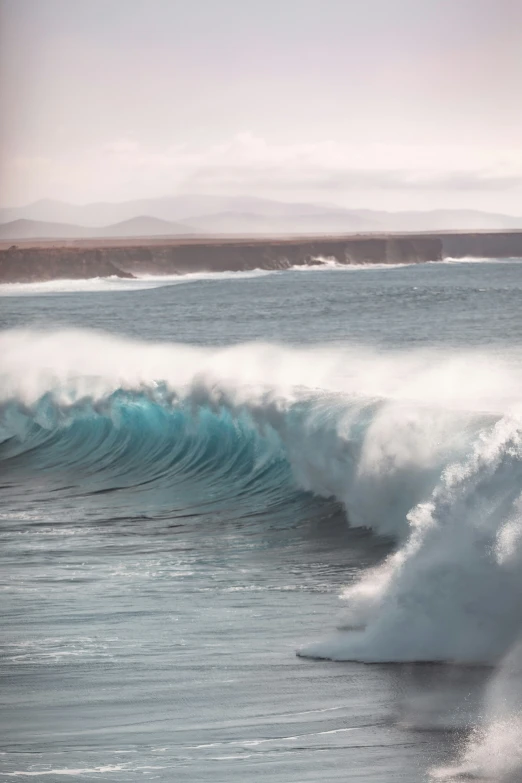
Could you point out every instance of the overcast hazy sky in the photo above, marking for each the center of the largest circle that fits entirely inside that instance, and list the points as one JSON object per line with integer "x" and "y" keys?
{"x": 391, "y": 104}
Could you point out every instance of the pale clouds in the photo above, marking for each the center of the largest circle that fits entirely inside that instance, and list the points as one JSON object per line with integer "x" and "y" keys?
{"x": 386, "y": 104}
{"x": 351, "y": 175}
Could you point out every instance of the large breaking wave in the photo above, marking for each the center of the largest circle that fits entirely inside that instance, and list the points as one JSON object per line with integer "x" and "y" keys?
{"x": 423, "y": 447}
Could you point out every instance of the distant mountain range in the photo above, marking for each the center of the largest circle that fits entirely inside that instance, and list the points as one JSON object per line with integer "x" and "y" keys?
{"x": 135, "y": 227}
{"x": 199, "y": 215}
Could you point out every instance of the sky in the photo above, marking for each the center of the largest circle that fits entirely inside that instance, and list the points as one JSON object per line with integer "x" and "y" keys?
{"x": 377, "y": 104}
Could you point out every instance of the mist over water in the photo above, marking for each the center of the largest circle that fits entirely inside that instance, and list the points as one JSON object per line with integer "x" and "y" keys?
{"x": 188, "y": 493}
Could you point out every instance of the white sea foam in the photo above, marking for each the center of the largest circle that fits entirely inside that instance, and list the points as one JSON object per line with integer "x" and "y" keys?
{"x": 147, "y": 281}
{"x": 66, "y": 771}
{"x": 91, "y": 285}
{"x": 453, "y": 592}
{"x": 494, "y": 751}
{"x": 106, "y": 769}
{"x": 479, "y": 260}
{"x": 328, "y": 262}
{"x": 103, "y": 284}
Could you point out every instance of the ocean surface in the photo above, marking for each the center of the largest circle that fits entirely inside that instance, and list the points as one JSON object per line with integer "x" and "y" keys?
{"x": 203, "y": 476}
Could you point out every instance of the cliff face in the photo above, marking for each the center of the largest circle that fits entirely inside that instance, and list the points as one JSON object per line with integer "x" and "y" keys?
{"x": 125, "y": 258}
{"x": 29, "y": 265}
{"x": 502, "y": 244}
{"x": 241, "y": 256}
{"x": 26, "y": 264}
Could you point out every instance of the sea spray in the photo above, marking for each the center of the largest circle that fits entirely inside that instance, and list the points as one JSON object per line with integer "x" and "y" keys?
{"x": 451, "y": 592}
{"x": 493, "y": 750}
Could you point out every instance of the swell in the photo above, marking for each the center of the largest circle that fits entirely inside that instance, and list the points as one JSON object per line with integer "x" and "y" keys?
{"x": 369, "y": 454}
{"x": 426, "y": 448}
{"x": 148, "y": 455}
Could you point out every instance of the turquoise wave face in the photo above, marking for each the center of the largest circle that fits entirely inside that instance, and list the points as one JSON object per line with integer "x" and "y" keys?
{"x": 173, "y": 455}
{"x": 203, "y": 448}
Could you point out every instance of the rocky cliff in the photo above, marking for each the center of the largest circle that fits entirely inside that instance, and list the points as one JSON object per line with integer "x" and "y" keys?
{"x": 501, "y": 244}
{"x": 85, "y": 259}
{"x": 35, "y": 264}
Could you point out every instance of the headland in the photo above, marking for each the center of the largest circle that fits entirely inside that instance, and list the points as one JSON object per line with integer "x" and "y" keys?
{"x": 42, "y": 260}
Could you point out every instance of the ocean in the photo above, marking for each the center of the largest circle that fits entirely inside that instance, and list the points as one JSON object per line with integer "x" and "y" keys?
{"x": 263, "y": 526}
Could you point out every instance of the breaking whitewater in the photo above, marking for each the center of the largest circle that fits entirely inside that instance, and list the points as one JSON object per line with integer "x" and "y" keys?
{"x": 420, "y": 445}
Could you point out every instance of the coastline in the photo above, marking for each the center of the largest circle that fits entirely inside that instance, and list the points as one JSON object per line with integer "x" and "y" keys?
{"x": 44, "y": 260}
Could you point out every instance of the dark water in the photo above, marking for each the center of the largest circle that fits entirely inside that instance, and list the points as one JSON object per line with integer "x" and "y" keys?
{"x": 174, "y": 521}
